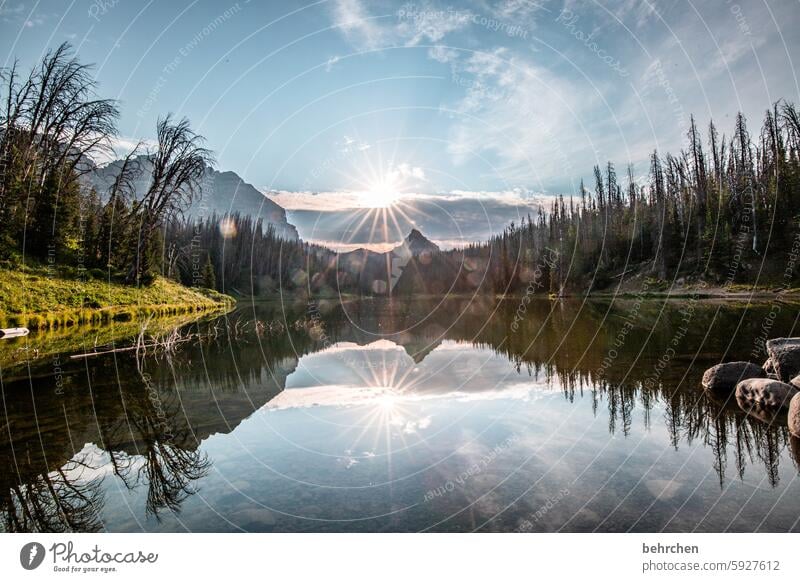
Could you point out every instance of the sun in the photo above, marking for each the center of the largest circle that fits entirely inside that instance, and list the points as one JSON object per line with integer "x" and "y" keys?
{"x": 382, "y": 192}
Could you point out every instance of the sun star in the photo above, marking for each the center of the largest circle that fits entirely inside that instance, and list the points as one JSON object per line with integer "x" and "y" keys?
{"x": 381, "y": 193}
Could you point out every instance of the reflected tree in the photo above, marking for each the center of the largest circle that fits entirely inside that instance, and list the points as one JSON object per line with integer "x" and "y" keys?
{"x": 54, "y": 502}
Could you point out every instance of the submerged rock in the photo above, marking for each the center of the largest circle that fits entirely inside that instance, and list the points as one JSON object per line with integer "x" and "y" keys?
{"x": 784, "y": 353}
{"x": 794, "y": 415}
{"x": 764, "y": 393}
{"x": 725, "y": 377}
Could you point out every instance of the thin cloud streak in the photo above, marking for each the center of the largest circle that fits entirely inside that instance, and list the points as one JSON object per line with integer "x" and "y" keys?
{"x": 455, "y": 219}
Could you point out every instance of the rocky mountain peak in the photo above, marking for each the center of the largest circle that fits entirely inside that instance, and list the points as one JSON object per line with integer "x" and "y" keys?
{"x": 417, "y": 243}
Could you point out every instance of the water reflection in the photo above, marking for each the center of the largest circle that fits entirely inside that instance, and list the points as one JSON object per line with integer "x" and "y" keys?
{"x": 253, "y": 423}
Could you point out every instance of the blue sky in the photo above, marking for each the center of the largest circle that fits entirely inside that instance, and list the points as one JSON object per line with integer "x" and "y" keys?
{"x": 501, "y": 101}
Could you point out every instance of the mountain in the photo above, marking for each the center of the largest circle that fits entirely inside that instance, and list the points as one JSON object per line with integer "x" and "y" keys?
{"x": 417, "y": 244}
{"x": 379, "y": 273}
{"x": 222, "y": 193}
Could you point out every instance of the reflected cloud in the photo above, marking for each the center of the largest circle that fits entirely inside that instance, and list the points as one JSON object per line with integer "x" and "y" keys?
{"x": 383, "y": 374}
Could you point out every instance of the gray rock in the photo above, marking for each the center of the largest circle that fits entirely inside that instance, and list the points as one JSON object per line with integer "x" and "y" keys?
{"x": 725, "y": 377}
{"x": 794, "y": 415}
{"x": 769, "y": 368}
{"x": 784, "y": 353}
{"x": 770, "y": 416}
{"x": 795, "y": 381}
{"x": 794, "y": 449}
{"x": 764, "y": 393}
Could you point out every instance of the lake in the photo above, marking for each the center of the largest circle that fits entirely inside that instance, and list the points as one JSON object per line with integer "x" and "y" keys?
{"x": 452, "y": 414}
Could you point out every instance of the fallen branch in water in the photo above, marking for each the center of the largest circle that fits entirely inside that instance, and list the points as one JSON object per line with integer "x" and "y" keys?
{"x": 141, "y": 345}
{"x": 169, "y": 345}
{"x": 169, "y": 342}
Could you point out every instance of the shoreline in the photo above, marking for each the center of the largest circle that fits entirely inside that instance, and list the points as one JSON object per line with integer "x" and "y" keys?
{"x": 698, "y": 294}
{"x": 702, "y": 293}
{"x": 67, "y": 318}
{"x": 40, "y": 300}
{"x": 36, "y": 348}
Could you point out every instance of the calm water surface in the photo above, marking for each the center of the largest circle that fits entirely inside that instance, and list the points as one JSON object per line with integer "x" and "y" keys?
{"x": 372, "y": 415}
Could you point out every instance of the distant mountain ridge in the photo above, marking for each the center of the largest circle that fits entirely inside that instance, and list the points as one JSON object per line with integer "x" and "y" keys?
{"x": 380, "y": 273}
{"x": 222, "y": 193}
{"x": 416, "y": 243}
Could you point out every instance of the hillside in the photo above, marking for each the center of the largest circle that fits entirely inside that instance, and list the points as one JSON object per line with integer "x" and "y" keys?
{"x": 39, "y": 298}
{"x": 222, "y": 193}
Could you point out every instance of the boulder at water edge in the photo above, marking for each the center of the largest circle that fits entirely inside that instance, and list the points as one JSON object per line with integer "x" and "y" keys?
{"x": 770, "y": 416}
{"x": 723, "y": 378}
{"x": 784, "y": 353}
{"x": 764, "y": 393}
{"x": 794, "y": 415}
{"x": 794, "y": 449}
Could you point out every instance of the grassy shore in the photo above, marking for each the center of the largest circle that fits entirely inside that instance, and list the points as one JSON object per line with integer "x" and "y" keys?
{"x": 15, "y": 353}
{"x": 38, "y": 297}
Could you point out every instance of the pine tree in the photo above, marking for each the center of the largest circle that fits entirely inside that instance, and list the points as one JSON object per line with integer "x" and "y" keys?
{"x": 209, "y": 280}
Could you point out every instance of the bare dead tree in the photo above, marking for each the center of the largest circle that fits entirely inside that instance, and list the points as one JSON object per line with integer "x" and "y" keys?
{"x": 178, "y": 166}
{"x": 52, "y": 127}
{"x": 53, "y": 502}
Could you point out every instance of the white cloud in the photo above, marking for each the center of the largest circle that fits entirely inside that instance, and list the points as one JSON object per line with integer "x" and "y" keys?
{"x": 732, "y": 51}
{"x": 524, "y": 116}
{"x": 405, "y": 171}
{"x": 354, "y": 22}
{"x": 409, "y": 25}
{"x": 25, "y": 16}
{"x": 318, "y": 201}
{"x": 517, "y": 11}
{"x": 340, "y": 201}
{"x": 429, "y": 24}
{"x": 442, "y": 54}
{"x": 350, "y": 145}
{"x": 340, "y": 220}
{"x": 633, "y": 13}
{"x": 7, "y": 11}
{"x": 543, "y": 113}
{"x": 413, "y": 426}
{"x": 120, "y": 147}
{"x": 442, "y": 374}
{"x": 330, "y": 62}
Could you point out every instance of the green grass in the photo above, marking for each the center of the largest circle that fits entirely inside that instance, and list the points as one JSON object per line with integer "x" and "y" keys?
{"x": 40, "y": 298}
{"x": 16, "y": 352}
